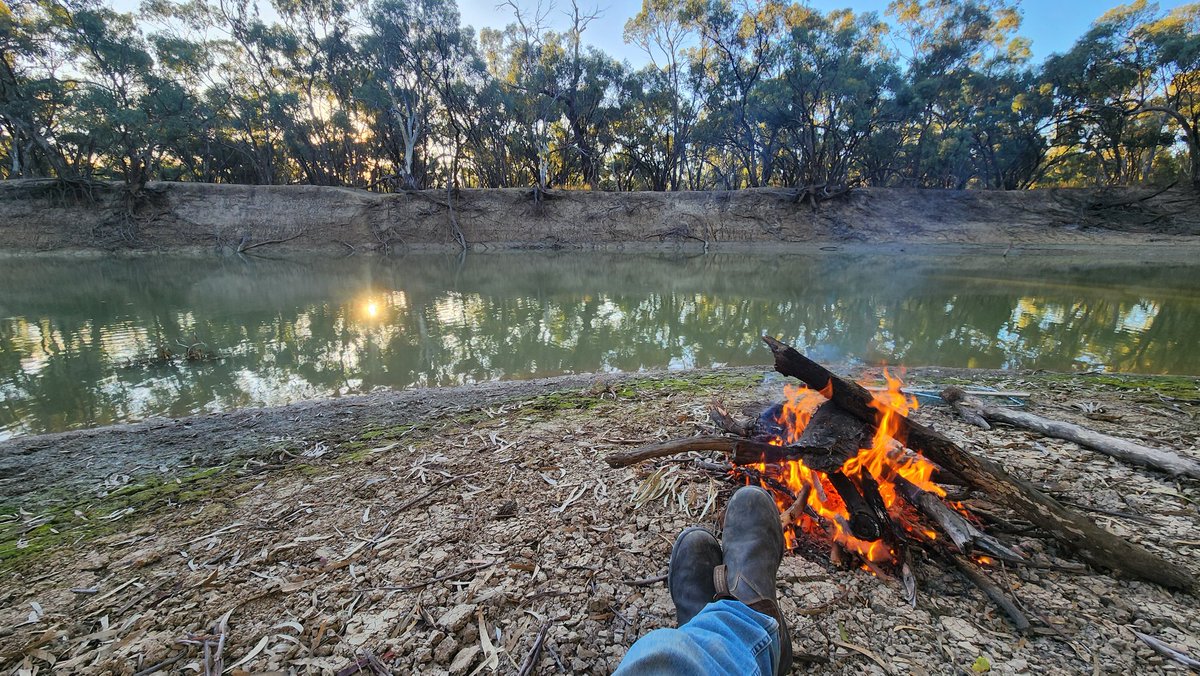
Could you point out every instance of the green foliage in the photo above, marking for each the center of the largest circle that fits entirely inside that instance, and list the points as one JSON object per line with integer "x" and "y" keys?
{"x": 397, "y": 94}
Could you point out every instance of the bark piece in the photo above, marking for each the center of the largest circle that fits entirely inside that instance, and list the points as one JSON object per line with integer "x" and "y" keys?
{"x": 1121, "y": 449}
{"x": 1075, "y": 531}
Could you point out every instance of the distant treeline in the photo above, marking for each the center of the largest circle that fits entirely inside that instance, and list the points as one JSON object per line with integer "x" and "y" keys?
{"x": 397, "y": 94}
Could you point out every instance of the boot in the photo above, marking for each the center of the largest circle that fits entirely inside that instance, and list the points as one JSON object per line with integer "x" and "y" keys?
{"x": 690, "y": 577}
{"x": 753, "y": 543}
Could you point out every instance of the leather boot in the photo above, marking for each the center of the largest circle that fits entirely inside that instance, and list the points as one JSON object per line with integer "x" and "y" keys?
{"x": 753, "y": 544}
{"x": 690, "y": 576}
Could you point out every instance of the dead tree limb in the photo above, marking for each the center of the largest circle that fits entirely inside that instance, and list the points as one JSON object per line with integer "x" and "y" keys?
{"x": 1075, "y": 531}
{"x": 741, "y": 451}
{"x": 1160, "y": 459}
{"x": 962, "y": 533}
{"x": 980, "y": 579}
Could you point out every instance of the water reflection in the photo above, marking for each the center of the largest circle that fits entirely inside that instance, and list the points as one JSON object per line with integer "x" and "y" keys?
{"x": 72, "y": 332}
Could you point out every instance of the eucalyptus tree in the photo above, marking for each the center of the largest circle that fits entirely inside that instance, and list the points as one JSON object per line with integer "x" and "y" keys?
{"x": 32, "y": 95}
{"x": 1128, "y": 90}
{"x": 662, "y": 30}
{"x": 738, "y": 51}
{"x": 949, "y": 42}
{"x": 838, "y": 89}
{"x": 405, "y": 47}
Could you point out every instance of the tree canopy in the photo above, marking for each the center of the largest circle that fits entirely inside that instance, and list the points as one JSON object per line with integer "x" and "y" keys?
{"x": 398, "y": 94}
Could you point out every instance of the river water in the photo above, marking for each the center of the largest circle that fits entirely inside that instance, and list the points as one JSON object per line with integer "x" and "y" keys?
{"x": 81, "y": 339}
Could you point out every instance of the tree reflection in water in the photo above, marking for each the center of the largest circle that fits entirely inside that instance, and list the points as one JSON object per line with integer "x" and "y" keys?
{"x": 295, "y": 329}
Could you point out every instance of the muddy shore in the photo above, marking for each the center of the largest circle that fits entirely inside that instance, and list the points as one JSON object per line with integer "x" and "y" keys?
{"x": 41, "y": 215}
{"x": 409, "y": 525}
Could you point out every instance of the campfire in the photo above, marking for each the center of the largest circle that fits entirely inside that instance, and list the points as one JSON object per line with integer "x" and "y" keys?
{"x": 855, "y": 477}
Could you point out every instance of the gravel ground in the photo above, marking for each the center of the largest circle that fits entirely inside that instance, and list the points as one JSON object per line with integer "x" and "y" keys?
{"x": 446, "y": 544}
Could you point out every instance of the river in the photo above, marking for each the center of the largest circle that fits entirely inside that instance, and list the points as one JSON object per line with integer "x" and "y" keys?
{"x": 86, "y": 342}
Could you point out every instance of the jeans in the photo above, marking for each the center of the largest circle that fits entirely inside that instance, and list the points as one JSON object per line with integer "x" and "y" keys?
{"x": 726, "y": 637}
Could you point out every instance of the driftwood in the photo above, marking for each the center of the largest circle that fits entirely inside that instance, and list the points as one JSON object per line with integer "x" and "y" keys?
{"x": 1121, "y": 449}
{"x": 1075, "y": 531}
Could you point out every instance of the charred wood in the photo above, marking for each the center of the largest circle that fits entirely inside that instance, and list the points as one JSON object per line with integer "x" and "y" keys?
{"x": 863, "y": 522}
{"x": 1075, "y": 531}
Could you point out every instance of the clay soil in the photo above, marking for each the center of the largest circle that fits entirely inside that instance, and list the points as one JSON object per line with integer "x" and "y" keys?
{"x": 443, "y": 540}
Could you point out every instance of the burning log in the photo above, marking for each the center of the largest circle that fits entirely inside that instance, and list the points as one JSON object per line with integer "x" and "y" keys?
{"x": 863, "y": 522}
{"x": 965, "y": 536}
{"x": 1127, "y": 451}
{"x": 1075, "y": 531}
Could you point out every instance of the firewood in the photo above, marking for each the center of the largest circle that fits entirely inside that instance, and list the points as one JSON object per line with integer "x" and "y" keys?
{"x": 722, "y": 419}
{"x": 980, "y": 579}
{"x": 741, "y": 451}
{"x": 1075, "y": 531}
{"x": 965, "y": 536}
{"x": 863, "y": 522}
{"x": 1121, "y": 449}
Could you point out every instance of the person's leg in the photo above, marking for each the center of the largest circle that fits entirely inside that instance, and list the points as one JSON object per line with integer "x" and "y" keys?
{"x": 739, "y": 634}
{"x": 726, "y": 637}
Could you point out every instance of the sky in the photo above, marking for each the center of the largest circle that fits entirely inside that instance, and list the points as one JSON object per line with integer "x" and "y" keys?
{"x": 1052, "y": 25}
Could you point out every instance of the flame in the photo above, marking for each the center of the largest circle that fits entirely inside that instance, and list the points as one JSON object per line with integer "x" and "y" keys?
{"x": 884, "y": 460}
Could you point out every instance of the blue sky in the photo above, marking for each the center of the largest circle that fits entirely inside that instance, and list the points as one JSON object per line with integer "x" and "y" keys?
{"x": 1052, "y": 25}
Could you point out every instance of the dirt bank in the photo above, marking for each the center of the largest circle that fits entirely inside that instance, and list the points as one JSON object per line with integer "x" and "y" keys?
{"x": 414, "y": 530}
{"x": 40, "y": 215}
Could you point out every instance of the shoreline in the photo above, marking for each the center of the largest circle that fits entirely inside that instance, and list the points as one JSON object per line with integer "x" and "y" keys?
{"x": 428, "y": 519}
{"x": 63, "y": 463}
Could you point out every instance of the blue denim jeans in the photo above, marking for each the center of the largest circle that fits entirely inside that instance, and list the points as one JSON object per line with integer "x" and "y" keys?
{"x": 726, "y": 637}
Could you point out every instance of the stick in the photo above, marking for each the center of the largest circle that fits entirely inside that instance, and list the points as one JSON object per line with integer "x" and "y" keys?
{"x": 1167, "y": 651}
{"x": 531, "y": 660}
{"x": 997, "y": 595}
{"x": 962, "y": 533}
{"x": 743, "y": 451}
{"x": 721, "y": 418}
{"x": 1075, "y": 531}
{"x": 1127, "y": 451}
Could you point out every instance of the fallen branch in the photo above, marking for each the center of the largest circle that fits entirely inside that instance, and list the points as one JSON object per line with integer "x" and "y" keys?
{"x": 742, "y": 451}
{"x": 980, "y": 579}
{"x": 1075, "y": 531}
{"x": 1127, "y": 451}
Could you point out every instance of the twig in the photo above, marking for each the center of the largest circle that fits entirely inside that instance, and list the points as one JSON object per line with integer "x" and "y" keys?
{"x": 531, "y": 660}
{"x": 439, "y": 578}
{"x": 866, "y": 653}
{"x": 647, "y": 581}
{"x": 1167, "y": 651}
{"x": 161, "y": 666}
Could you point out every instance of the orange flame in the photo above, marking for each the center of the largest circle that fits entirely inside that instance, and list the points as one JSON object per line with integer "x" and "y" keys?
{"x": 884, "y": 461}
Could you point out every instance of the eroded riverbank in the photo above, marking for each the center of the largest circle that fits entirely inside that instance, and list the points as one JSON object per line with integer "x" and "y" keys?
{"x": 40, "y": 215}
{"x": 403, "y": 524}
